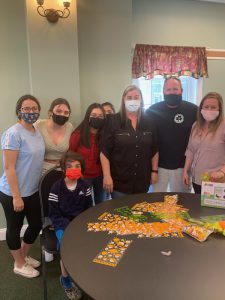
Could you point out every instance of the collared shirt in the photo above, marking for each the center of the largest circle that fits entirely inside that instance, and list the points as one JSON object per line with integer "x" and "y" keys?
{"x": 129, "y": 152}
{"x": 207, "y": 153}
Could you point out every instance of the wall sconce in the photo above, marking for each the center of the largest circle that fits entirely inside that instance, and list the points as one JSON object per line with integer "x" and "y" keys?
{"x": 52, "y": 14}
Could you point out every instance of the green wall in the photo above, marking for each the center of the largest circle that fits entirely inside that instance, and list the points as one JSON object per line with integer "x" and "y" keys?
{"x": 39, "y": 58}
{"x": 104, "y": 41}
{"x": 87, "y": 57}
{"x": 183, "y": 23}
{"x": 14, "y": 70}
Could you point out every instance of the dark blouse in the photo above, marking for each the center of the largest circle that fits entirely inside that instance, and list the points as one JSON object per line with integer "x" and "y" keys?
{"x": 129, "y": 152}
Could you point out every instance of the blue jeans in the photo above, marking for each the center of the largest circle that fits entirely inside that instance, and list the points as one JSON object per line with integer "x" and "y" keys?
{"x": 150, "y": 189}
{"x": 117, "y": 194}
{"x": 98, "y": 193}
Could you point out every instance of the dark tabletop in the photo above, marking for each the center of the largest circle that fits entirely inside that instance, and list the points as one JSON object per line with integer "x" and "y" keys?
{"x": 194, "y": 270}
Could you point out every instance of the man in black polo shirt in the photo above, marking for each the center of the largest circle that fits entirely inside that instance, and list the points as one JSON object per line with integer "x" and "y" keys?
{"x": 173, "y": 118}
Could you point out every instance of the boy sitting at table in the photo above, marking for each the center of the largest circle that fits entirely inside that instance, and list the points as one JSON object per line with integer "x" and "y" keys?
{"x": 69, "y": 197}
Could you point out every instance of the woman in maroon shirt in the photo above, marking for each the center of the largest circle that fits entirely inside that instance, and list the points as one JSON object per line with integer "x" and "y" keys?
{"x": 85, "y": 140}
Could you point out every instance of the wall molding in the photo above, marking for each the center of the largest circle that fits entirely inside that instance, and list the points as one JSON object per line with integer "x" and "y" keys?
{"x": 3, "y": 232}
{"x": 215, "y": 53}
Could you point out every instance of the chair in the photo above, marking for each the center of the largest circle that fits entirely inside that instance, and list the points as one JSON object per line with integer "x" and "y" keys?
{"x": 48, "y": 238}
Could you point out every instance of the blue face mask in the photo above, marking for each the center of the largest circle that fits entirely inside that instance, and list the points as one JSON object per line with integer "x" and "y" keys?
{"x": 29, "y": 117}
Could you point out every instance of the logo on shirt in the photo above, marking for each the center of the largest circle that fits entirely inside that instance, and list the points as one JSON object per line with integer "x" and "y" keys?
{"x": 179, "y": 118}
{"x": 81, "y": 193}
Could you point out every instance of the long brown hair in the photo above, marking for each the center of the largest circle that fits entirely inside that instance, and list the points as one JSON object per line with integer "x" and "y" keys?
{"x": 85, "y": 129}
{"x": 198, "y": 127}
{"x": 122, "y": 106}
{"x": 59, "y": 101}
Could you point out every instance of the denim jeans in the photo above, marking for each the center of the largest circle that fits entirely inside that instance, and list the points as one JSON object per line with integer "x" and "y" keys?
{"x": 98, "y": 193}
{"x": 117, "y": 194}
{"x": 150, "y": 189}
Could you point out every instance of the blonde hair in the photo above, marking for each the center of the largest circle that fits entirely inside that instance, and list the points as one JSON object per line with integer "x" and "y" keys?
{"x": 198, "y": 127}
{"x": 122, "y": 106}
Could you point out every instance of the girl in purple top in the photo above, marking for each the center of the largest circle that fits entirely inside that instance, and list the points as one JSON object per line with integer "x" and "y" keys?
{"x": 206, "y": 148}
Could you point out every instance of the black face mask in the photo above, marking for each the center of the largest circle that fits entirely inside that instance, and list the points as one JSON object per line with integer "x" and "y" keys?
{"x": 96, "y": 123}
{"x": 173, "y": 99}
{"x": 59, "y": 120}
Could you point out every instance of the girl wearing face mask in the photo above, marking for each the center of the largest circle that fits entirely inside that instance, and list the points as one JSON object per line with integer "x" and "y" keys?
{"x": 56, "y": 131}
{"x": 129, "y": 153}
{"x": 69, "y": 197}
{"x": 108, "y": 108}
{"x": 206, "y": 148}
{"x": 85, "y": 140}
{"x": 23, "y": 153}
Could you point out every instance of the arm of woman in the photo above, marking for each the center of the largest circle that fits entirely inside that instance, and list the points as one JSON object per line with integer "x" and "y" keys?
{"x": 217, "y": 175}
{"x": 189, "y": 154}
{"x": 107, "y": 179}
{"x": 154, "y": 174}
{"x": 187, "y": 166}
{"x": 10, "y": 158}
{"x": 74, "y": 141}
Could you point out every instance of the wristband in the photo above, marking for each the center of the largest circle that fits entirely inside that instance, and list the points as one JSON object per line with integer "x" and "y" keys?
{"x": 155, "y": 171}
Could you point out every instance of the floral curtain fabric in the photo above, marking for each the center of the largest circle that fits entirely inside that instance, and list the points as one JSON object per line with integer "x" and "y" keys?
{"x": 150, "y": 60}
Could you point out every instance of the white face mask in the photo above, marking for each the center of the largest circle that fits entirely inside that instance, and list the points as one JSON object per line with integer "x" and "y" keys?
{"x": 132, "y": 105}
{"x": 210, "y": 115}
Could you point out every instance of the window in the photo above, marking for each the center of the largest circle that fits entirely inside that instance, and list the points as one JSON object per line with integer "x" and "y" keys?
{"x": 152, "y": 89}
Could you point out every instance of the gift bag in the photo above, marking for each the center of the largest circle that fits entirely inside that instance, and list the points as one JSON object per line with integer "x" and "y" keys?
{"x": 213, "y": 194}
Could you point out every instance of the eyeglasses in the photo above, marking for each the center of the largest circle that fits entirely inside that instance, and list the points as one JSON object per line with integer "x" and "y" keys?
{"x": 27, "y": 109}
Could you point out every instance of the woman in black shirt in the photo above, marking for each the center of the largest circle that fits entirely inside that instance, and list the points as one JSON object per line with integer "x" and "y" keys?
{"x": 129, "y": 153}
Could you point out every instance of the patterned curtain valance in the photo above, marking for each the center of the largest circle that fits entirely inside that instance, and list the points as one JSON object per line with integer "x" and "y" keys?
{"x": 150, "y": 60}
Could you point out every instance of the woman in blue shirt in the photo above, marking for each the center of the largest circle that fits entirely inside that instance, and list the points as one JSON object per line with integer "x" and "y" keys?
{"x": 23, "y": 153}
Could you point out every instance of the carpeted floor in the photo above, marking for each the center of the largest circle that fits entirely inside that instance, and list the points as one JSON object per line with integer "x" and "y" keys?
{"x": 15, "y": 287}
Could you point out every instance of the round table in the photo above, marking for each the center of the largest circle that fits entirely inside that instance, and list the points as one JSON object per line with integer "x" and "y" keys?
{"x": 194, "y": 270}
